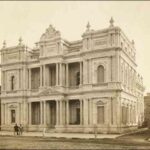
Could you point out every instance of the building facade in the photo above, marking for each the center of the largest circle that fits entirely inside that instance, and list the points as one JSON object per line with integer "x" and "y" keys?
{"x": 147, "y": 110}
{"x": 74, "y": 86}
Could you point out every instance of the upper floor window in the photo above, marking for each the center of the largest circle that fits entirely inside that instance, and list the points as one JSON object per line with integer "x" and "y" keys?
{"x": 100, "y": 74}
{"x": 12, "y": 82}
{"x": 78, "y": 78}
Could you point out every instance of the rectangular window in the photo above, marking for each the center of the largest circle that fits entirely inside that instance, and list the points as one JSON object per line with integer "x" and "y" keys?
{"x": 13, "y": 116}
{"x": 100, "y": 114}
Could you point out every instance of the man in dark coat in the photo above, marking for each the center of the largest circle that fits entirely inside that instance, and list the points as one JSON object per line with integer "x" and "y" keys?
{"x": 16, "y": 129}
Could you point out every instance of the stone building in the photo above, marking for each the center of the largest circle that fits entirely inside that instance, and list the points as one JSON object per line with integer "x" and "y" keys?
{"x": 72, "y": 86}
{"x": 147, "y": 109}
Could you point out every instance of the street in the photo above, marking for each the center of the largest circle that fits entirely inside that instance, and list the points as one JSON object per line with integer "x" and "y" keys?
{"x": 132, "y": 141}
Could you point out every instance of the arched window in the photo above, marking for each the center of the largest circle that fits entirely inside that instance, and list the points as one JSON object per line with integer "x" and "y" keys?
{"x": 100, "y": 74}
{"x": 12, "y": 82}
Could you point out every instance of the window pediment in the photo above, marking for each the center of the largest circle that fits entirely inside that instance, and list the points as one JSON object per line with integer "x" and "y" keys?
{"x": 100, "y": 102}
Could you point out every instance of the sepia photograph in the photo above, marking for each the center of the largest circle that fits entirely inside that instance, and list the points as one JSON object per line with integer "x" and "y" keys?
{"x": 75, "y": 75}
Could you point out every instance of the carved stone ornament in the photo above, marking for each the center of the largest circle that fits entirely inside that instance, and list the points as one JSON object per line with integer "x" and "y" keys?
{"x": 49, "y": 33}
{"x": 100, "y": 103}
{"x": 12, "y": 106}
{"x": 48, "y": 92}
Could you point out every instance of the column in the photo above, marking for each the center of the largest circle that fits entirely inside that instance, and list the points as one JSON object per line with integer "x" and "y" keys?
{"x": 29, "y": 117}
{"x": 67, "y": 80}
{"x": 91, "y": 112}
{"x": 128, "y": 114}
{"x": 81, "y": 73}
{"x": 44, "y": 112}
{"x": 90, "y": 72}
{"x": 2, "y": 113}
{"x": 41, "y": 112}
{"x": 29, "y": 78}
{"x": 57, "y": 74}
{"x": 44, "y": 75}
{"x": 60, "y": 75}
{"x": 6, "y": 114}
{"x": 3, "y": 80}
{"x": 81, "y": 111}
{"x": 57, "y": 112}
{"x": 117, "y": 66}
{"x": 25, "y": 107}
{"x": 116, "y": 110}
{"x": 111, "y": 111}
{"x": 61, "y": 113}
{"x": 41, "y": 72}
{"x": 67, "y": 112}
{"x": 86, "y": 111}
{"x": 20, "y": 113}
{"x": 85, "y": 72}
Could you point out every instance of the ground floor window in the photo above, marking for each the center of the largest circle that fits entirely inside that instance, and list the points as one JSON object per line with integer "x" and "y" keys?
{"x": 13, "y": 116}
{"x": 100, "y": 114}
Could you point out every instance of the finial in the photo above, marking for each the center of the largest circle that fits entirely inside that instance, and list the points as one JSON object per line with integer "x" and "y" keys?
{"x": 132, "y": 42}
{"x": 20, "y": 41}
{"x": 4, "y": 44}
{"x": 111, "y": 22}
{"x": 88, "y": 26}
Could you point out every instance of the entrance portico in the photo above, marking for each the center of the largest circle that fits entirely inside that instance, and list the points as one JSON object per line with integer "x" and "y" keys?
{"x": 55, "y": 114}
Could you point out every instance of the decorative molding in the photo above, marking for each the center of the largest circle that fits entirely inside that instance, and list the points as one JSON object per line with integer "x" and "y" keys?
{"x": 49, "y": 91}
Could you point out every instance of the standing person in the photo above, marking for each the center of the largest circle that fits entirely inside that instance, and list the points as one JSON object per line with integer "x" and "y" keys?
{"x": 20, "y": 129}
{"x": 16, "y": 129}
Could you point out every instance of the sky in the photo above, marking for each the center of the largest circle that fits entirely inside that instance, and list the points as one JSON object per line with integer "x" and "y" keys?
{"x": 29, "y": 19}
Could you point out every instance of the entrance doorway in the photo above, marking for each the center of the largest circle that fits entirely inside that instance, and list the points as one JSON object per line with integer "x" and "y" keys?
{"x": 13, "y": 116}
{"x": 35, "y": 116}
{"x": 51, "y": 120}
{"x": 74, "y": 109}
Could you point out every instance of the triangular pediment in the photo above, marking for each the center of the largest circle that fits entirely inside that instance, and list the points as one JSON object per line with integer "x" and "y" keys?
{"x": 100, "y": 102}
{"x": 48, "y": 91}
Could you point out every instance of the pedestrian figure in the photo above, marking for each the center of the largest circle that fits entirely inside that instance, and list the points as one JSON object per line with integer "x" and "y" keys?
{"x": 16, "y": 129}
{"x": 20, "y": 129}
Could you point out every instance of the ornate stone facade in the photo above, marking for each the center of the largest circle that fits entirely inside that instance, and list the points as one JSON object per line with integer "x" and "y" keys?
{"x": 72, "y": 86}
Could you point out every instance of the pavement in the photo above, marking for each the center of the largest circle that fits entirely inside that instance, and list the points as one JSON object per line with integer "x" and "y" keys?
{"x": 70, "y": 135}
{"x": 62, "y": 135}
